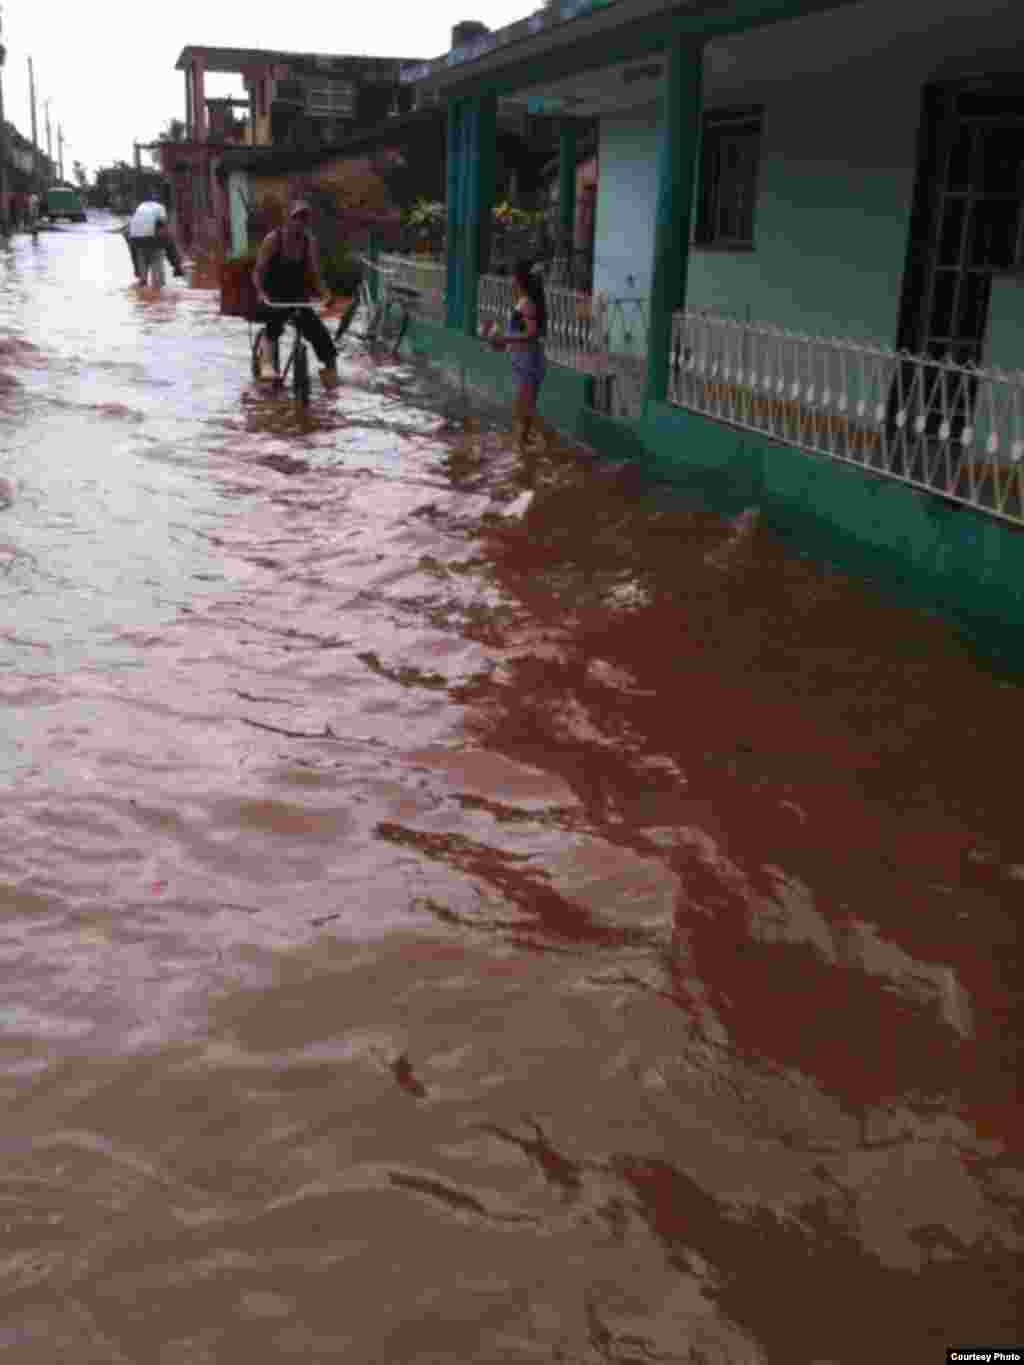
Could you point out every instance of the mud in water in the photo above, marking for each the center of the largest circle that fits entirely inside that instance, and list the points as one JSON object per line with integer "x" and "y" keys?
{"x": 458, "y": 907}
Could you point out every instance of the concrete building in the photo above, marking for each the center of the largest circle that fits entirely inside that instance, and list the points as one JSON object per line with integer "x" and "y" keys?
{"x": 808, "y": 260}
{"x": 301, "y": 101}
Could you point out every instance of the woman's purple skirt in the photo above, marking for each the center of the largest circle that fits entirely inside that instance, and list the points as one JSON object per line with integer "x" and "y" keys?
{"x": 528, "y": 364}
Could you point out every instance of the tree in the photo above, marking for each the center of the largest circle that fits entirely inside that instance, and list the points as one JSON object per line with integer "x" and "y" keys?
{"x": 120, "y": 187}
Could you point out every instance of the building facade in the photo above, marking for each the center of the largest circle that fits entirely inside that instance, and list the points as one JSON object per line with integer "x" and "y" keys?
{"x": 808, "y": 258}
{"x": 298, "y": 101}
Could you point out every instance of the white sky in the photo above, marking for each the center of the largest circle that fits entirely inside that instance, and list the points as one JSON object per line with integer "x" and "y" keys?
{"x": 107, "y": 66}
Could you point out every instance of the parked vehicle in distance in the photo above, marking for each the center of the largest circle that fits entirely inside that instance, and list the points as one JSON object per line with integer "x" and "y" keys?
{"x": 62, "y": 201}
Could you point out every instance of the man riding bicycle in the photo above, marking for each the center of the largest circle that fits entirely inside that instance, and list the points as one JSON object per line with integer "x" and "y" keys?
{"x": 287, "y": 268}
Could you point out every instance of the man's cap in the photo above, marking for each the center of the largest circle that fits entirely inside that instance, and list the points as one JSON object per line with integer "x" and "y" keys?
{"x": 299, "y": 208}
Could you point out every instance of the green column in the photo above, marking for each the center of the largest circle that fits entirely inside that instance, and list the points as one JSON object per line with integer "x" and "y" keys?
{"x": 481, "y": 156}
{"x": 677, "y": 171}
{"x": 453, "y": 234}
{"x": 566, "y": 185}
{"x": 467, "y": 139}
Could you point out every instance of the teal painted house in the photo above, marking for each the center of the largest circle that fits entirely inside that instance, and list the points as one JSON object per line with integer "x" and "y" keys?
{"x": 808, "y": 284}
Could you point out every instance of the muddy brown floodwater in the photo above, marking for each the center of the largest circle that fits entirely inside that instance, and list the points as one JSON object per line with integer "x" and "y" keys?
{"x": 451, "y": 911}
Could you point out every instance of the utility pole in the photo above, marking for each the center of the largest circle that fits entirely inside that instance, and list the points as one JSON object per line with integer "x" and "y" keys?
{"x": 4, "y": 216}
{"x": 138, "y": 173}
{"x": 60, "y": 153}
{"x": 49, "y": 138}
{"x": 35, "y": 130}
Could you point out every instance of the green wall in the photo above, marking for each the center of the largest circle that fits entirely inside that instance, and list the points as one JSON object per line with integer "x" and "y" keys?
{"x": 833, "y": 205}
{"x": 842, "y": 103}
{"x": 1005, "y": 342}
{"x": 841, "y": 94}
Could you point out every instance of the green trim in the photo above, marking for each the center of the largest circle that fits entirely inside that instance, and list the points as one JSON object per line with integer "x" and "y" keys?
{"x": 452, "y": 172}
{"x": 471, "y": 224}
{"x": 677, "y": 171}
{"x": 479, "y": 171}
{"x": 632, "y": 39}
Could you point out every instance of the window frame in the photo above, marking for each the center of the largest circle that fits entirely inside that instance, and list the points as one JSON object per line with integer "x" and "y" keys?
{"x": 716, "y": 126}
{"x": 332, "y": 98}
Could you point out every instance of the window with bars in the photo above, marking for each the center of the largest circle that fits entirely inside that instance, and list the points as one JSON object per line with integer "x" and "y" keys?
{"x": 331, "y": 99}
{"x": 730, "y": 153}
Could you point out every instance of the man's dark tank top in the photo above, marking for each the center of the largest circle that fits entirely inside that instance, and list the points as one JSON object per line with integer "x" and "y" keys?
{"x": 285, "y": 280}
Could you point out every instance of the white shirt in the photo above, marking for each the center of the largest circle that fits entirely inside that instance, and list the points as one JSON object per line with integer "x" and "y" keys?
{"x": 145, "y": 218}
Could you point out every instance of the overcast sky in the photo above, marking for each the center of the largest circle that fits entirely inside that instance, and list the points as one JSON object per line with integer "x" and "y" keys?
{"x": 107, "y": 66}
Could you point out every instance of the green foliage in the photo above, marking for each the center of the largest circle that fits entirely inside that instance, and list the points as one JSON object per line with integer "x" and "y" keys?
{"x": 120, "y": 187}
{"x": 425, "y": 213}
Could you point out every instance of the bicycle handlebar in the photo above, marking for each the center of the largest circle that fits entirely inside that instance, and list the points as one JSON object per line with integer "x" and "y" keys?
{"x": 270, "y": 303}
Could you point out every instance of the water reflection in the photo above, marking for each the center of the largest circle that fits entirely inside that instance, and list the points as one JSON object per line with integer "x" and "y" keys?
{"x": 560, "y": 917}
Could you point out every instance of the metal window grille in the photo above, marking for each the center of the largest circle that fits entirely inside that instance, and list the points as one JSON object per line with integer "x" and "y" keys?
{"x": 331, "y": 99}
{"x": 731, "y": 151}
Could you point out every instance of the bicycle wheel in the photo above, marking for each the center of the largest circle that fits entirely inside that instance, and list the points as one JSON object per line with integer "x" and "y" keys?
{"x": 300, "y": 371}
{"x": 371, "y": 328}
{"x": 255, "y": 357}
{"x": 393, "y": 322}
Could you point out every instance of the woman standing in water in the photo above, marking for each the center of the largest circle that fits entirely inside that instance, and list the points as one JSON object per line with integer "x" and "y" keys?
{"x": 524, "y": 339}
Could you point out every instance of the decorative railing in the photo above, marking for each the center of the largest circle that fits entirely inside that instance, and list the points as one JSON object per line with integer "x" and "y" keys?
{"x": 597, "y": 335}
{"x": 427, "y": 277}
{"x": 572, "y": 339}
{"x": 956, "y": 430}
{"x": 495, "y": 296}
{"x": 621, "y": 324}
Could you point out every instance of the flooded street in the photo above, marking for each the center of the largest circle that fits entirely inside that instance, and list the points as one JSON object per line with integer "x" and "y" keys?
{"x": 459, "y": 911}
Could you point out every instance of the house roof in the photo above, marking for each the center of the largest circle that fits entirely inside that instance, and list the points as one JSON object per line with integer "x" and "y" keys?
{"x": 236, "y": 59}
{"x": 563, "y": 26}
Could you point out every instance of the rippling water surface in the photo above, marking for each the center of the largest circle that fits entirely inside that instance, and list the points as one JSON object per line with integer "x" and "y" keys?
{"x": 460, "y": 910}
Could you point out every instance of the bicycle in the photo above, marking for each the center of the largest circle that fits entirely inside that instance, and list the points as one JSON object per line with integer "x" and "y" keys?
{"x": 298, "y": 358}
{"x": 387, "y": 316}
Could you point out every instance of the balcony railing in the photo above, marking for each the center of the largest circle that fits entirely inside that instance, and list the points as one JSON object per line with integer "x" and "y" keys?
{"x": 954, "y": 430}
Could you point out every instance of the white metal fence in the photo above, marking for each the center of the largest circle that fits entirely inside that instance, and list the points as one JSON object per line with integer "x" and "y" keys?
{"x": 572, "y": 338}
{"x": 427, "y": 277}
{"x": 592, "y": 333}
{"x": 952, "y": 429}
